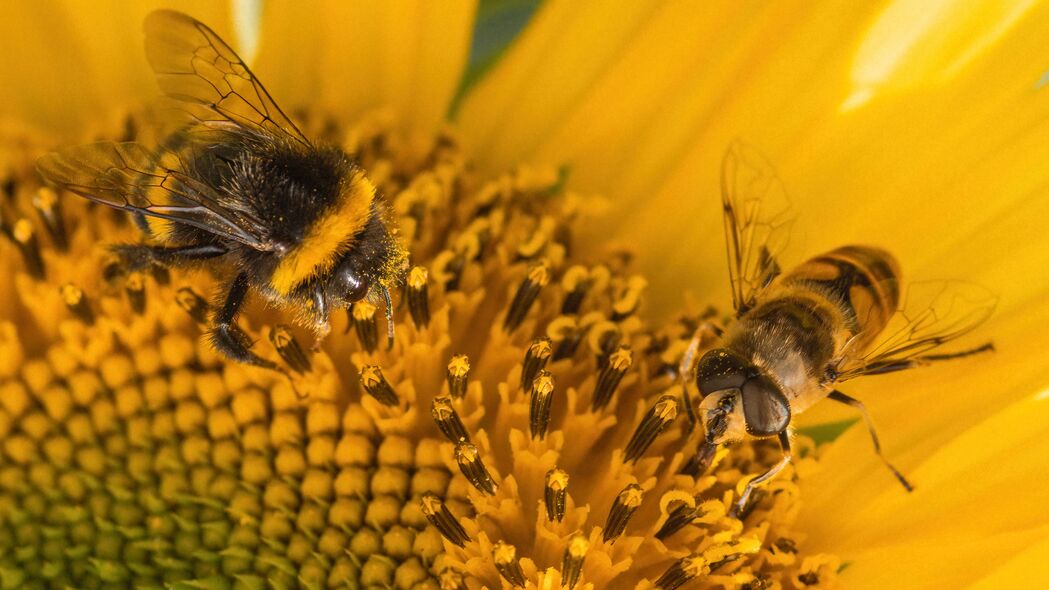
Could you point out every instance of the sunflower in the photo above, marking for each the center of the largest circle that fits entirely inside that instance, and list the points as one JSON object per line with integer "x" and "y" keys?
{"x": 526, "y": 429}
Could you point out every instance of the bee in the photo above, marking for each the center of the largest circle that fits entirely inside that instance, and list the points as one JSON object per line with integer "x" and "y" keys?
{"x": 798, "y": 334}
{"x": 234, "y": 185}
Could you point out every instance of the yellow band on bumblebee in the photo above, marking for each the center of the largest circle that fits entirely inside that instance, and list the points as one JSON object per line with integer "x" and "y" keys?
{"x": 328, "y": 237}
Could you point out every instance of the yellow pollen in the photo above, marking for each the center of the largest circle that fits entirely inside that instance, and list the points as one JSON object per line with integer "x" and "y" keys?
{"x": 459, "y": 365}
{"x": 23, "y": 230}
{"x": 417, "y": 277}
{"x": 329, "y": 236}
{"x": 71, "y": 294}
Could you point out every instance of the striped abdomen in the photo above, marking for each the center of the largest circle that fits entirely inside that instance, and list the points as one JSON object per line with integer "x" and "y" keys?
{"x": 862, "y": 281}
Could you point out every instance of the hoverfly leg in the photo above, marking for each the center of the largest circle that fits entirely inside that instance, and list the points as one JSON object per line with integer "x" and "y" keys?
{"x": 704, "y": 332}
{"x": 226, "y": 336}
{"x": 141, "y": 256}
{"x": 920, "y": 361}
{"x": 784, "y": 443}
{"x": 851, "y": 401}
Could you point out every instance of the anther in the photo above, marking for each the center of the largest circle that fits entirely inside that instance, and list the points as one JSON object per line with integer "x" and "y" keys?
{"x": 542, "y": 398}
{"x": 47, "y": 205}
{"x": 678, "y": 519}
{"x": 506, "y": 562}
{"x": 575, "y": 283}
{"x": 289, "y": 349}
{"x": 624, "y": 507}
{"x": 538, "y": 276}
{"x": 443, "y": 520}
{"x": 700, "y": 462}
{"x": 630, "y": 300}
{"x": 682, "y": 571}
{"x": 458, "y": 373}
{"x": 572, "y": 562}
{"x": 135, "y": 287}
{"x": 25, "y": 236}
{"x": 377, "y": 386}
{"x": 535, "y": 360}
{"x": 77, "y": 303}
{"x": 419, "y": 296}
{"x": 196, "y": 306}
{"x": 448, "y": 420}
{"x": 555, "y": 493}
{"x": 651, "y": 426}
{"x": 469, "y": 459}
{"x": 610, "y": 376}
{"x": 362, "y": 316}
{"x": 451, "y": 580}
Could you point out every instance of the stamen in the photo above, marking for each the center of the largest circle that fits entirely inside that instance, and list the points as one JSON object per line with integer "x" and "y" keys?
{"x": 362, "y": 316}
{"x": 538, "y": 277}
{"x": 196, "y": 306}
{"x": 535, "y": 360}
{"x": 610, "y": 377}
{"x": 604, "y": 339}
{"x": 473, "y": 468}
{"x": 630, "y": 300}
{"x": 47, "y": 205}
{"x": 289, "y": 349}
{"x": 575, "y": 283}
{"x": 542, "y": 398}
{"x": 568, "y": 332}
{"x": 451, "y": 580}
{"x": 555, "y": 494}
{"x": 443, "y": 520}
{"x": 25, "y": 237}
{"x": 624, "y": 507}
{"x": 572, "y": 562}
{"x": 651, "y": 426}
{"x": 448, "y": 420}
{"x": 679, "y": 518}
{"x": 457, "y": 375}
{"x": 135, "y": 287}
{"x": 506, "y": 562}
{"x": 683, "y": 570}
{"x": 419, "y": 296}
{"x": 77, "y": 303}
{"x": 375, "y": 384}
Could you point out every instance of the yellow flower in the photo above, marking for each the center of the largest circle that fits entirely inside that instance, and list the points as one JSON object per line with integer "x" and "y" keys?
{"x": 132, "y": 455}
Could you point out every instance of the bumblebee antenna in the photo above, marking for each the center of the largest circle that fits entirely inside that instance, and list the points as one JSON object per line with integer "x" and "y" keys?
{"x": 389, "y": 318}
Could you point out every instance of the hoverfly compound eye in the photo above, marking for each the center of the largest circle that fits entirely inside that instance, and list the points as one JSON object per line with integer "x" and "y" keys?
{"x": 721, "y": 369}
{"x": 766, "y": 410}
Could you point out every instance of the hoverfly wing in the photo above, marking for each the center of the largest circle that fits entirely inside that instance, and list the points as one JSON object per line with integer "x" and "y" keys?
{"x": 128, "y": 176}
{"x": 757, "y": 217}
{"x": 209, "y": 82}
{"x": 933, "y": 313}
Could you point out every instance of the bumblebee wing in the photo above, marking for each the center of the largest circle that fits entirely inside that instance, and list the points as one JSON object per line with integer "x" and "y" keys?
{"x": 207, "y": 81}
{"x": 757, "y": 217}
{"x": 128, "y": 176}
{"x": 933, "y": 313}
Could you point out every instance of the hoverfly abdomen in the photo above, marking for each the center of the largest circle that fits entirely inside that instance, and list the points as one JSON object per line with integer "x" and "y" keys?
{"x": 862, "y": 281}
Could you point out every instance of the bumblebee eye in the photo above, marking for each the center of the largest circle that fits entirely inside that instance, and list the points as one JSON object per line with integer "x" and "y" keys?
{"x": 721, "y": 369}
{"x": 352, "y": 286}
{"x": 766, "y": 410}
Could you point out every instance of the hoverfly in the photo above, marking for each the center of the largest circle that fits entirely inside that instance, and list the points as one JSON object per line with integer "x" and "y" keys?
{"x": 235, "y": 185}
{"x": 798, "y": 334}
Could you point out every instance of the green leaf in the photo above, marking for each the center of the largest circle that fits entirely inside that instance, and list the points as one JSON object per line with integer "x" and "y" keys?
{"x": 828, "y": 432}
{"x": 497, "y": 25}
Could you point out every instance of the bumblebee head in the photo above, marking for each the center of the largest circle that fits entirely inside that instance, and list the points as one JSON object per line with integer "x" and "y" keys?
{"x": 738, "y": 398}
{"x": 347, "y": 284}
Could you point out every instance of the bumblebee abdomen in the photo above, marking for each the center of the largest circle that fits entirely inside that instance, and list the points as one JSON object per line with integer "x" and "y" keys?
{"x": 862, "y": 281}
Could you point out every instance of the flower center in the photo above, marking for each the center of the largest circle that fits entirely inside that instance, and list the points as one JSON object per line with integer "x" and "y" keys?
{"x": 527, "y": 427}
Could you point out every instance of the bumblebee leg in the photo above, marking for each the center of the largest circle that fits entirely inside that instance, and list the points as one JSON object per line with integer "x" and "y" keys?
{"x": 226, "y": 336}
{"x": 784, "y": 443}
{"x": 140, "y": 256}
{"x": 389, "y": 319}
{"x": 851, "y": 401}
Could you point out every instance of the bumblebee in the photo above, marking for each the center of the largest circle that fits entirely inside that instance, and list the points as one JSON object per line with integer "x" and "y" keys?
{"x": 233, "y": 184}
{"x": 798, "y": 334}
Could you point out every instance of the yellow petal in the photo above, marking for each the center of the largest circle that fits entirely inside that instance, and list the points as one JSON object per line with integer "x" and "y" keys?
{"x": 346, "y": 57}
{"x": 646, "y": 110}
{"x": 972, "y": 438}
{"x": 68, "y": 64}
